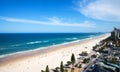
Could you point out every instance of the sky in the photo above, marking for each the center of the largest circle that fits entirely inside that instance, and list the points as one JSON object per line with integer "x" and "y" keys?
{"x": 59, "y": 16}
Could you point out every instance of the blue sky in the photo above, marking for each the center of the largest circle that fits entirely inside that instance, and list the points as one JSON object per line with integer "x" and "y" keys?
{"x": 36, "y": 16}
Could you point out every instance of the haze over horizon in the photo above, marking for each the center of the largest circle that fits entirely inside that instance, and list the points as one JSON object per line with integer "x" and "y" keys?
{"x": 58, "y": 16}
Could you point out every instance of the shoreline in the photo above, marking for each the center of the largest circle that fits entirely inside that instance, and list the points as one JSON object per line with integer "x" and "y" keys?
{"x": 49, "y": 53}
{"x": 51, "y": 46}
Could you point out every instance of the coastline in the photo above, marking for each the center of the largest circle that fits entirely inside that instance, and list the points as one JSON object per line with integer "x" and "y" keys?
{"x": 38, "y": 59}
{"x": 51, "y": 46}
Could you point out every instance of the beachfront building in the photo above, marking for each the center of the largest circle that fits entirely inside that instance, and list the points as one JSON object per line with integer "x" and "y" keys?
{"x": 115, "y": 34}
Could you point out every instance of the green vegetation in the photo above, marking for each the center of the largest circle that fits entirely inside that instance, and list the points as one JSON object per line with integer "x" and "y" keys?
{"x": 113, "y": 60}
{"x": 47, "y": 69}
{"x": 61, "y": 67}
{"x": 42, "y": 71}
{"x": 73, "y": 59}
{"x": 72, "y": 70}
{"x": 56, "y": 69}
{"x": 66, "y": 70}
{"x": 86, "y": 60}
{"x": 94, "y": 47}
{"x": 84, "y": 53}
{"x": 78, "y": 65}
{"x": 69, "y": 62}
{"x": 94, "y": 56}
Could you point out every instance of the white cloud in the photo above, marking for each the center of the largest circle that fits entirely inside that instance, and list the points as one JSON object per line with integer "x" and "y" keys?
{"x": 55, "y": 20}
{"x": 51, "y": 21}
{"x": 106, "y": 10}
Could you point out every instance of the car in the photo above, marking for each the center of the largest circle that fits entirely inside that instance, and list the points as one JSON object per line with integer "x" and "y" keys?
{"x": 66, "y": 66}
{"x": 92, "y": 67}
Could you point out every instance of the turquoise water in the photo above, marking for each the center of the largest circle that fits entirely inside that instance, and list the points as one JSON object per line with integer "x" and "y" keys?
{"x": 17, "y": 42}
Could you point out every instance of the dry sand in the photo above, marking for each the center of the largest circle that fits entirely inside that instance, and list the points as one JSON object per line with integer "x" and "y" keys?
{"x": 35, "y": 61}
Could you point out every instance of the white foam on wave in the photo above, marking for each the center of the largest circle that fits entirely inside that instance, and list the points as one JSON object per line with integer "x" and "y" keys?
{"x": 74, "y": 38}
{"x": 35, "y": 42}
{"x": 54, "y": 45}
{"x": 15, "y": 45}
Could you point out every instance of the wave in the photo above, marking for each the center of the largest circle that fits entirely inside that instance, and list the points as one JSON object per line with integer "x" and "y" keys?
{"x": 91, "y": 35}
{"x": 30, "y": 43}
{"x": 68, "y": 38}
{"x": 2, "y": 48}
{"x": 74, "y": 38}
{"x": 36, "y": 42}
{"x": 45, "y": 47}
{"x": 46, "y": 41}
{"x": 15, "y": 45}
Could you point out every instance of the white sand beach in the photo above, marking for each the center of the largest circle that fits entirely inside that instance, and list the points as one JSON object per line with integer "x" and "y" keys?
{"x": 35, "y": 61}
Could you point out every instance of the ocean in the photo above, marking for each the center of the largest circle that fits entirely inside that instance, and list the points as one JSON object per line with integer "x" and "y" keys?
{"x": 18, "y": 42}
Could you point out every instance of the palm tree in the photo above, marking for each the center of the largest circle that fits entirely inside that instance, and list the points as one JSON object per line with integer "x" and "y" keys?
{"x": 47, "y": 69}
{"x": 61, "y": 67}
{"x": 73, "y": 59}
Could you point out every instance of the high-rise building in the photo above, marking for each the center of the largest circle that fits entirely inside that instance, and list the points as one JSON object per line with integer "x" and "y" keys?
{"x": 116, "y": 36}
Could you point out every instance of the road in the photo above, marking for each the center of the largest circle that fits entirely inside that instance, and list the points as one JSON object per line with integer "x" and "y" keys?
{"x": 90, "y": 64}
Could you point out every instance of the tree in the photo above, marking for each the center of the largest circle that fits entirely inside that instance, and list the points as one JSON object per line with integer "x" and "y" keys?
{"x": 84, "y": 53}
{"x": 86, "y": 60}
{"x": 66, "y": 70}
{"x": 56, "y": 69}
{"x": 94, "y": 47}
{"x": 113, "y": 60}
{"x": 42, "y": 71}
{"x": 61, "y": 67}
{"x": 69, "y": 62}
{"x": 94, "y": 56}
{"x": 47, "y": 69}
{"x": 73, "y": 59}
